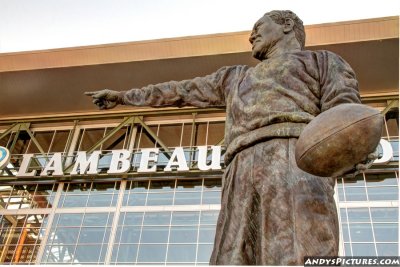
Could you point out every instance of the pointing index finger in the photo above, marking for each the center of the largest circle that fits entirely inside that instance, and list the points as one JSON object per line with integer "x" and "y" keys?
{"x": 92, "y": 93}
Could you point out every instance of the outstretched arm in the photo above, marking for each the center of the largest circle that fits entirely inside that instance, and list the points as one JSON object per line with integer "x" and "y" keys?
{"x": 207, "y": 91}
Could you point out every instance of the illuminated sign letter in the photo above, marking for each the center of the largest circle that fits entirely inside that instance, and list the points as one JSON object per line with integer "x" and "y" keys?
{"x": 215, "y": 158}
{"x": 120, "y": 156}
{"x": 26, "y": 159}
{"x": 148, "y": 154}
{"x": 387, "y": 152}
{"x": 54, "y": 166}
{"x": 84, "y": 164}
{"x": 180, "y": 161}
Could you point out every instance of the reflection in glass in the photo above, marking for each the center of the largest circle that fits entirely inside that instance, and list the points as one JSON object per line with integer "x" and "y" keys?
{"x": 58, "y": 254}
{"x": 70, "y": 219}
{"x": 212, "y": 197}
{"x": 79, "y": 237}
{"x": 207, "y": 234}
{"x": 209, "y": 217}
{"x": 385, "y": 214}
{"x": 183, "y": 234}
{"x": 130, "y": 234}
{"x": 181, "y": 253}
{"x": 89, "y": 194}
{"x": 104, "y": 200}
{"x": 152, "y": 253}
{"x": 136, "y": 200}
{"x": 347, "y": 250}
{"x": 185, "y": 218}
{"x": 358, "y": 215}
{"x": 157, "y": 218}
{"x": 355, "y": 194}
{"x": 97, "y": 219}
{"x": 160, "y": 199}
{"x": 91, "y": 235}
{"x": 386, "y": 232}
{"x": 204, "y": 253}
{"x": 383, "y": 193}
{"x": 64, "y": 236}
{"x": 88, "y": 253}
{"x": 387, "y": 249}
{"x": 132, "y": 218}
{"x": 361, "y": 232}
{"x": 70, "y": 201}
{"x": 126, "y": 253}
{"x": 367, "y": 249}
{"x": 345, "y": 232}
{"x": 340, "y": 192}
{"x": 187, "y": 198}
{"x": 154, "y": 234}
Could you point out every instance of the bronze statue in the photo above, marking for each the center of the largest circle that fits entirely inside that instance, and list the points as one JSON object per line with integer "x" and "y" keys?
{"x": 272, "y": 213}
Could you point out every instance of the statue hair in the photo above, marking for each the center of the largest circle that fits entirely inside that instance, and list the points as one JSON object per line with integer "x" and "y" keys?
{"x": 279, "y": 17}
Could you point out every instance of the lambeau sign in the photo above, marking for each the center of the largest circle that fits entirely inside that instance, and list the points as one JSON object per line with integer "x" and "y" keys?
{"x": 121, "y": 161}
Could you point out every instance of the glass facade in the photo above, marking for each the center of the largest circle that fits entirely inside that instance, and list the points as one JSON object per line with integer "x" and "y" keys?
{"x": 157, "y": 218}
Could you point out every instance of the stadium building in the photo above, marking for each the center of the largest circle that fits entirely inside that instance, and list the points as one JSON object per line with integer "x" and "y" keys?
{"x": 142, "y": 185}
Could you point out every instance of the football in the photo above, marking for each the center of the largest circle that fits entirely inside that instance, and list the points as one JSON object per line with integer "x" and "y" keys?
{"x": 338, "y": 139}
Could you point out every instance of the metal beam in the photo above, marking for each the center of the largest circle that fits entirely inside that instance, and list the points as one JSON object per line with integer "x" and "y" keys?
{"x": 391, "y": 104}
{"x": 126, "y": 121}
{"x": 13, "y": 127}
{"x": 33, "y": 138}
{"x": 149, "y": 131}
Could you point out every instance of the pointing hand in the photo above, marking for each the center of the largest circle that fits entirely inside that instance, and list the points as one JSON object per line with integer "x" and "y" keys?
{"x": 105, "y": 99}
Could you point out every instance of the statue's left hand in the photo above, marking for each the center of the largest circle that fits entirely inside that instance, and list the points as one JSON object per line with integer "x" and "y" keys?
{"x": 105, "y": 99}
{"x": 362, "y": 166}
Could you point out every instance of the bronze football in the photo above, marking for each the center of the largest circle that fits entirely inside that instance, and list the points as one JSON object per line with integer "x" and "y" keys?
{"x": 338, "y": 139}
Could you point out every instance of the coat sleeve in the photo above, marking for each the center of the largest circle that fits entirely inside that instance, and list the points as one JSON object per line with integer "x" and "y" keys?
{"x": 207, "y": 91}
{"x": 338, "y": 81}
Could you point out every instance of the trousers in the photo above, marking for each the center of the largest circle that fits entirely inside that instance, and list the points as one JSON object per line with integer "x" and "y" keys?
{"x": 273, "y": 213}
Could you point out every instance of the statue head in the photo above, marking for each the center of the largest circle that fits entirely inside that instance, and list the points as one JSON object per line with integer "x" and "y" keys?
{"x": 277, "y": 29}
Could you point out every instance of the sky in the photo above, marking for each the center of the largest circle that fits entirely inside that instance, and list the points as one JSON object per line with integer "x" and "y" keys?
{"x": 27, "y": 25}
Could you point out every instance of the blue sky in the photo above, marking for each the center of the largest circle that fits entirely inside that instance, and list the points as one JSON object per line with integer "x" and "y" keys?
{"x": 45, "y": 24}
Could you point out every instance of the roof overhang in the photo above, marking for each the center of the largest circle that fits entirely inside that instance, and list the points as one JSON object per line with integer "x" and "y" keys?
{"x": 45, "y": 83}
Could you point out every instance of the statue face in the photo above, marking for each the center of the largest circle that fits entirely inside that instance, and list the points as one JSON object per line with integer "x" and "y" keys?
{"x": 265, "y": 35}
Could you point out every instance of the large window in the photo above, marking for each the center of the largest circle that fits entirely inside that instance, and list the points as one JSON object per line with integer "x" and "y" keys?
{"x": 173, "y": 192}
{"x": 78, "y": 238}
{"x": 15, "y": 197}
{"x": 178, "y": 237}
{"x": 370, "y": 231}
{"x": 89, "y": 195}
{"x": 21, "y": 237}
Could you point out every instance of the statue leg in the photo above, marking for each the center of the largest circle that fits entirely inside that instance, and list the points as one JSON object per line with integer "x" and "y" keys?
{"x": 272, "y": 213}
